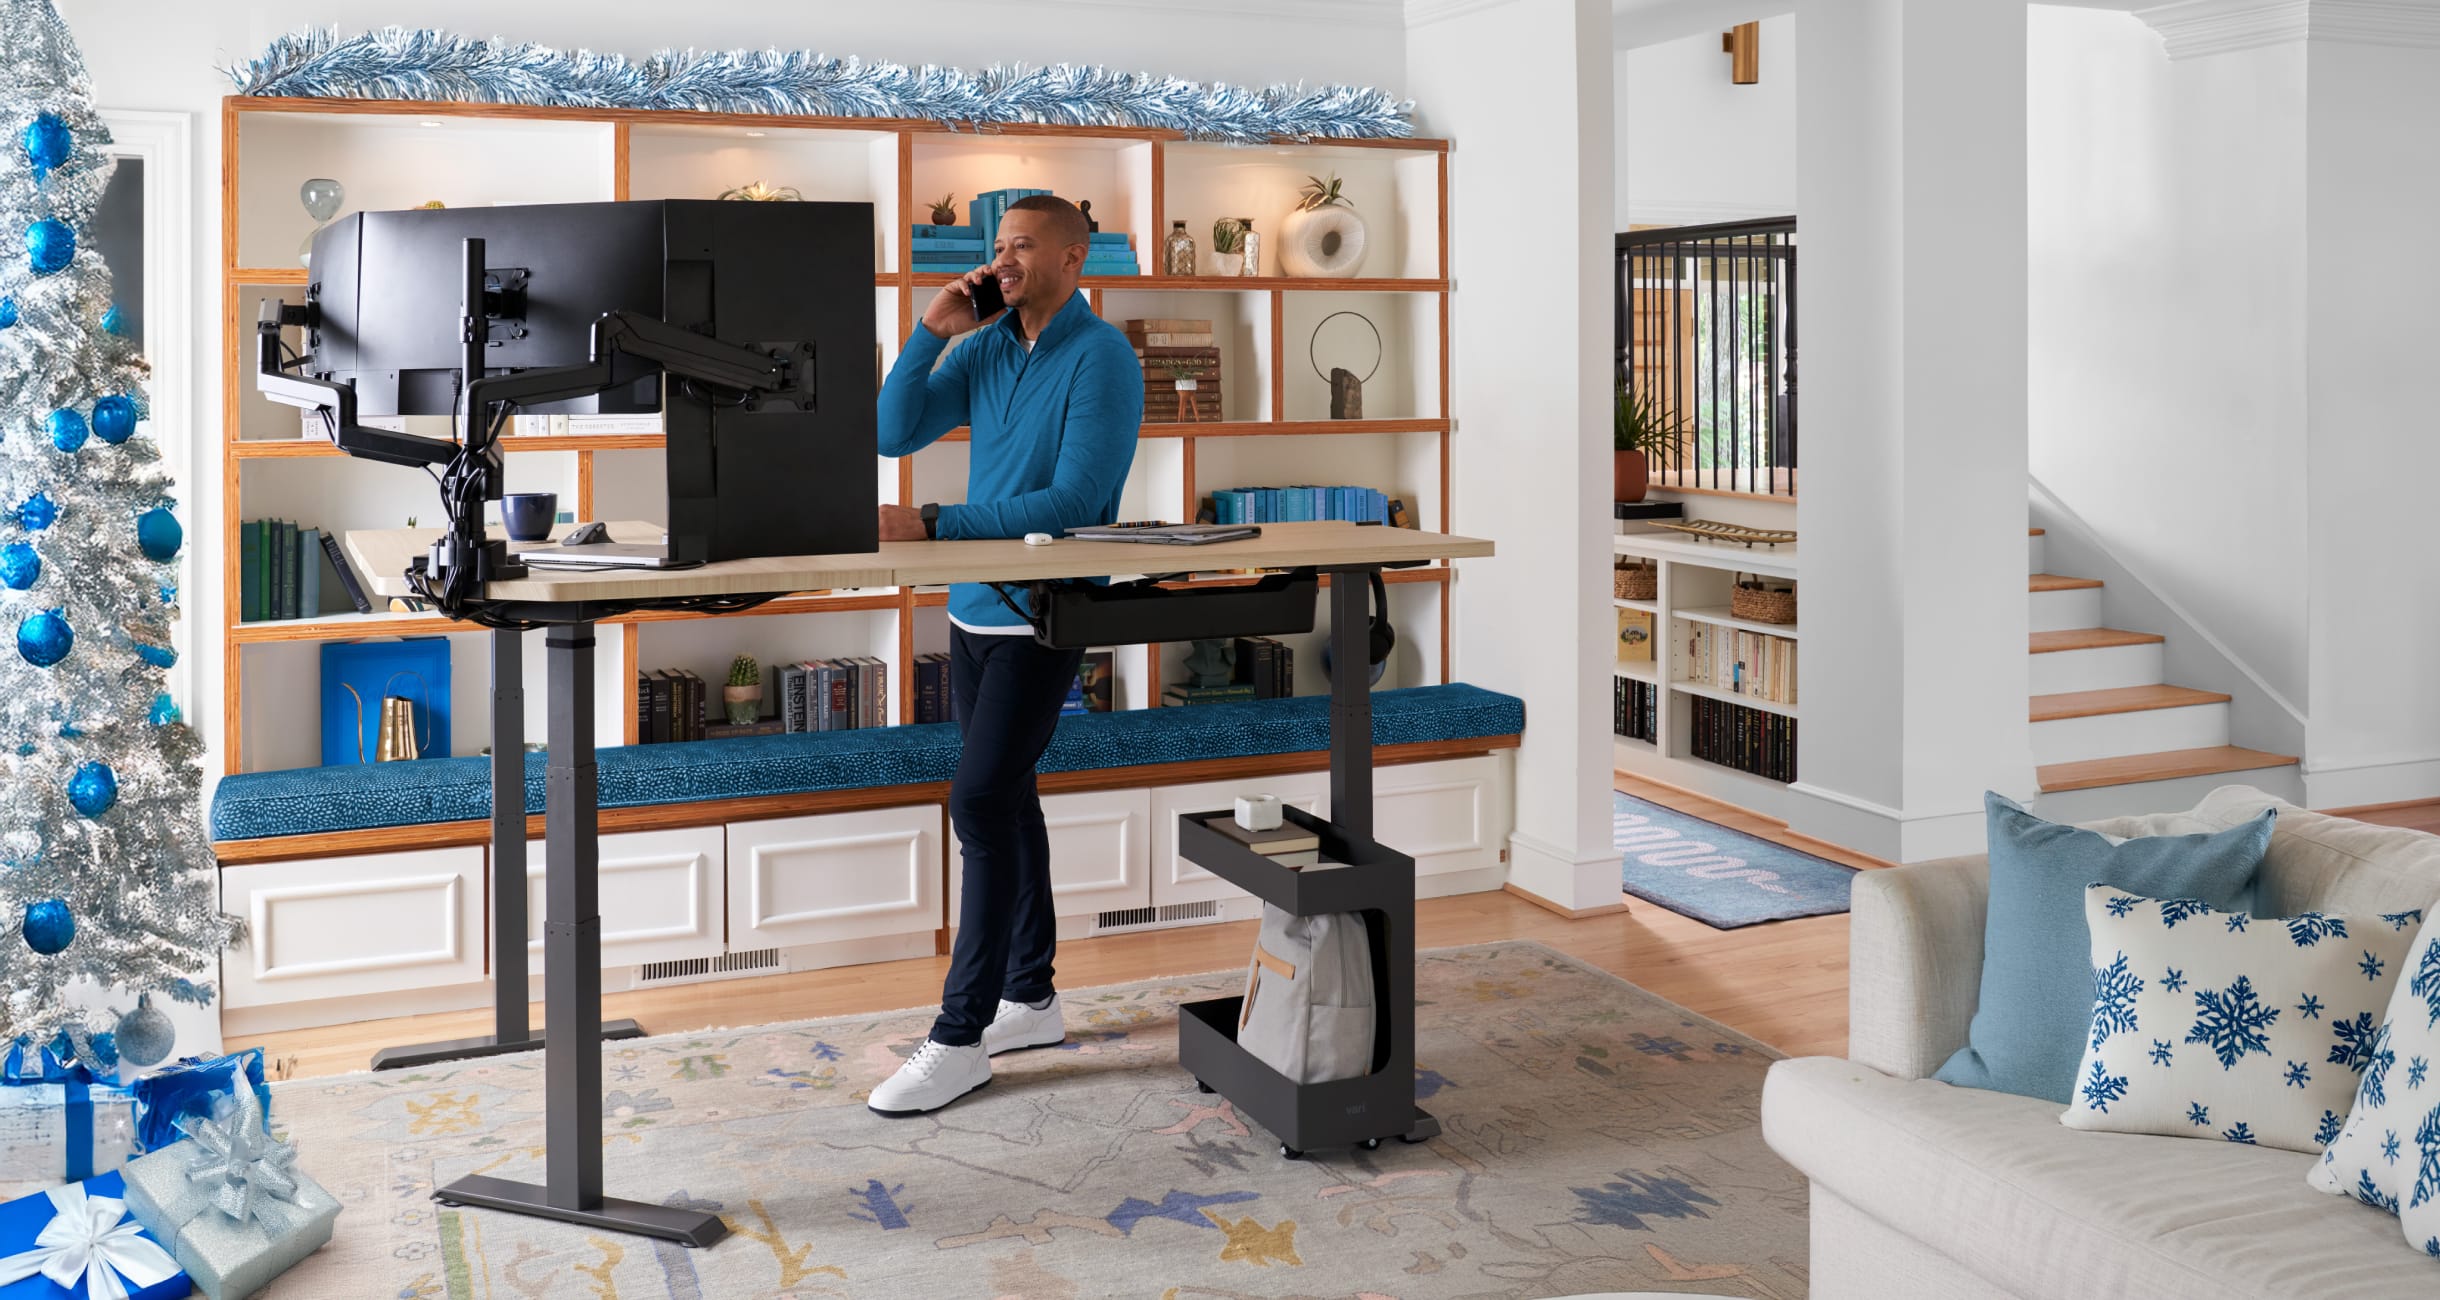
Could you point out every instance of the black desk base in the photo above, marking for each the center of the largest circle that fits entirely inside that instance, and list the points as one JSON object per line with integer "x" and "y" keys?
{"x": 686, "y": 1227}
{"x": 467, "y": 1049}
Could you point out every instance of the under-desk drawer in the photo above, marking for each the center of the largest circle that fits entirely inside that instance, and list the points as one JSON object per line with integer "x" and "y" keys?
{"x": 371, "y": 923}
{"x": 859, "y": 875}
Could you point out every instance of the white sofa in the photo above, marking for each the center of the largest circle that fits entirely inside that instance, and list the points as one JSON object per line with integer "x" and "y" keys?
{"x": 1925, "y": 1190}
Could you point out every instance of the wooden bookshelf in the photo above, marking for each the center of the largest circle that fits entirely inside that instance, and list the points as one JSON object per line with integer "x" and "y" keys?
{"x": 389, "y": 155}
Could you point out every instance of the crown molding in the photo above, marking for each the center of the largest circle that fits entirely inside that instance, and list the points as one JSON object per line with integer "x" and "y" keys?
{"x": 2194, "y": 29}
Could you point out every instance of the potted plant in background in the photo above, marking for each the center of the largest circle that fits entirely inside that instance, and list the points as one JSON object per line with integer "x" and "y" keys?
{"x": 742, "y": 697}
{"x": 1228, "y": 246}
{"x": 1322, "y": 236}
{"x": 1638, "y": 432}
{"x": 944, "y": 209}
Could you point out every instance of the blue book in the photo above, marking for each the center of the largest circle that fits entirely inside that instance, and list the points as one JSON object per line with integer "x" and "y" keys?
{"x": 925, "y": 245}
{"x": 922, "y": 230}
{"x": 309, "y": 573}
{"x": 249, "y": 571}
{"x": 416, "y": 668}
{"x": 1101, "y": 237}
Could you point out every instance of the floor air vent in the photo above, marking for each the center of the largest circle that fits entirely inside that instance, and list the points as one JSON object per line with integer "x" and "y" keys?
{"x": 1137, "y": 918}
{"x": 728, "y": 965}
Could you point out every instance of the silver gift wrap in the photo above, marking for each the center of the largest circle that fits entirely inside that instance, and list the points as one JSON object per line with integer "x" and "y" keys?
{"x": 228, "y": 1260}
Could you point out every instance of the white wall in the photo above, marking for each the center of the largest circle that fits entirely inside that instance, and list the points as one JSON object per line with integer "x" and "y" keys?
{"x": 166, "y": 54}
{"x": 1694, "y": 146}
{"x": 1523, "y": 88}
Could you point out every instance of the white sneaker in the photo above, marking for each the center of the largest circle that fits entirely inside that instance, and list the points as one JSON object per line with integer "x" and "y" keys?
{"x": 934, "y": 1076}
{"x": 1019, "y": 1026}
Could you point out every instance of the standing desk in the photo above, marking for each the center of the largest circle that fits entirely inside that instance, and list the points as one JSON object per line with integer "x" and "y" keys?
{"x": 1373, "y": 879}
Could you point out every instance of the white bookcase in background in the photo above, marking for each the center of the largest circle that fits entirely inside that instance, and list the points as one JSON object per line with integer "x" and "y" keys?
{"x": 1695, "y": 580}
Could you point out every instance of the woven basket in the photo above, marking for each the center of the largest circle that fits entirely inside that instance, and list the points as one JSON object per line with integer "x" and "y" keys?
{"x": 1756, "y": 603}
{"x": 1638, "y": 581}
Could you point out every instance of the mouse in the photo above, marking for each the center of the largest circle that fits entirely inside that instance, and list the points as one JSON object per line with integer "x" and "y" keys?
{"x": 586, "y": 535}
{"x": 1037, "y": 539}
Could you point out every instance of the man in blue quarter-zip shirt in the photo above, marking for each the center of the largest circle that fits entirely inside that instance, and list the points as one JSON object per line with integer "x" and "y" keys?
{"x": 1054, "y": 396}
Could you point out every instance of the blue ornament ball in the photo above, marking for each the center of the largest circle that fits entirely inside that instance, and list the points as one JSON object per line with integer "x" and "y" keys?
{"x": 20, "y": 565}
{"x": 38, "y": 513}
{"x": 145, "y": 1035}
{"x": 45, "y": 639}
{"x": 158, "y": 533}
{"x": 8, "y": 312}
{"x": 164, "y": 711}
{"x": 159, "y": 656}
{"x": 94, "y": 789}
{"x": 68, "y": 431}
{"x": 49, "y": 927}
{"x": 113, "y": 322}
{"x": 48, "y": 143}
{"x": 49, "y": 246}
{"x": 114, "y": 419}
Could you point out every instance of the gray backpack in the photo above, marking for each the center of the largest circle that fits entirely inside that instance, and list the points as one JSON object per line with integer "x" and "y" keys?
{"x": 1309, "y": 996}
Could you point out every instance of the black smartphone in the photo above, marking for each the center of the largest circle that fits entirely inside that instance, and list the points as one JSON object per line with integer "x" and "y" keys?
{"x": 987, "y": 300}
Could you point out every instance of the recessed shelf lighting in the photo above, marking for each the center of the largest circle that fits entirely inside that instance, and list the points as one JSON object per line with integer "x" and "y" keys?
{"x": 431, "y": 121}
{"x": 757, "y": 135}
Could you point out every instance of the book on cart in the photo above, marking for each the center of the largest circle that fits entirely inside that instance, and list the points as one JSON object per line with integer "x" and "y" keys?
{"x": 1287, "y": 837}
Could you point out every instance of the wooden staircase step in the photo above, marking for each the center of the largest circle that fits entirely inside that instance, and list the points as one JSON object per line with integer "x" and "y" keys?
{"x": 2165, "y": 766}
{"x": 2054, "y": 582}
{"x": 2123, "y": 699}
{"x": 2088, "y": 638}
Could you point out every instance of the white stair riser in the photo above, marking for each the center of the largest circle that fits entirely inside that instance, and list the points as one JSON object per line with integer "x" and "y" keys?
{"x": 2099, "y": 669}
{"x": 2061, "y": 611}
{"x": 2164, "y": 796}
{"x": 2033, "y": 555}
{"x": 2148, "y": 731}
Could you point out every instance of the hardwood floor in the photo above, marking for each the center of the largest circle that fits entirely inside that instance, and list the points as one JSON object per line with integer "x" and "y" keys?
{"x": 1784, "y": 983}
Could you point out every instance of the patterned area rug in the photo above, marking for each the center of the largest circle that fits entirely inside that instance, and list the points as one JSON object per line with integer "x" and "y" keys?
{"x": 1723, "y": 878}
{"x": 1597, "y": 1139}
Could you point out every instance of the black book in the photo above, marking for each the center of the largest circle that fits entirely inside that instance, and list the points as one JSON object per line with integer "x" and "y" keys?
{"x": 347, "y": 576}
{"x": 661, "y": 711}
{"x": 1649, "y": 509}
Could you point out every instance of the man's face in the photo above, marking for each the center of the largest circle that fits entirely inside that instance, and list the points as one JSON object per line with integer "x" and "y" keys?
{"x": 1032, "y": 266}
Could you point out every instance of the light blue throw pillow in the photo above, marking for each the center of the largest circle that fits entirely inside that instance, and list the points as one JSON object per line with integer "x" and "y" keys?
{"x": 2036, "y": 1002}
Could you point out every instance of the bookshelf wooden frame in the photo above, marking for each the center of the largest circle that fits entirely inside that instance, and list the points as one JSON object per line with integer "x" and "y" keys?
{"x": 240, "y": 282}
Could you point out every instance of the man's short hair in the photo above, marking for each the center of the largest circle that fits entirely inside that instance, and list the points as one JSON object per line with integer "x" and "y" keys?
{"x": 1067, "y": 223}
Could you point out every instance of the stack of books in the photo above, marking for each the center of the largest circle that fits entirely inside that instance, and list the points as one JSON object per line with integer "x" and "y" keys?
{"x": 289, "y": 572}
{"x": 953, "y": 250}
{"x": 1748, "y": 740}
{"x": 932, "y": 700}
{"x": 1282, "y": 505}
{"x": 1634, "y": 709}
{"x": 834, "y": 694}
{"x": 1094, "y": 686}
{"x": 669, "y": 706}
{"x": 1753, "y": 664}
{"x": 1287, "y": 844}
{"x": 1181, "y": 361}
{"x": 1266, "y": 665}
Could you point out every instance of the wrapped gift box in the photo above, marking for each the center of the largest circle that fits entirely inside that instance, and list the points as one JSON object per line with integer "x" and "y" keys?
{"x": 87, "y": 1221}
{"x": 230, "y": 1202}
{"x": 59, "y": 1123}
{"x": 182, "y": 1093}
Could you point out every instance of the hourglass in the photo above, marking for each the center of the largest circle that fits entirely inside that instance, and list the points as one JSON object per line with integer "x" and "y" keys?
{"x": 321, "y": 197}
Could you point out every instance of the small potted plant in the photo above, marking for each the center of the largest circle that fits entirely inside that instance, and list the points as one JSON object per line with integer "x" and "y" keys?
{"x": 944, "y": 209}
{"x": 1639, "y": 430}
{"x": 1322, "y": 236}
{"x": 1228, "y": 245}
{"x": 742, "y": 697}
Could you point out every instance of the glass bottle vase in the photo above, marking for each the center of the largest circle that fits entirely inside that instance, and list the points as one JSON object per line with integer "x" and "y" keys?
{"x": 1178, "y": 251}
{"x": 1249, "y": 243}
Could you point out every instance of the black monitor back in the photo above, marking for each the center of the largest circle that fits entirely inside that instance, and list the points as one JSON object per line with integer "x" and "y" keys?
{"x": 752, "y": 479}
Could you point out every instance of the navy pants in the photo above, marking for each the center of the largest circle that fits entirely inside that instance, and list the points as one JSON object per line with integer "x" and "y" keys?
{"x": 1007, "y": 692}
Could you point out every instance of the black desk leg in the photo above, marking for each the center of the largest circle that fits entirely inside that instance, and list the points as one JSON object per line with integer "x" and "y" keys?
{"x": 571, "y": 980}
{"x": 1351, "y": 809}
{"x": 510, "y": 1028}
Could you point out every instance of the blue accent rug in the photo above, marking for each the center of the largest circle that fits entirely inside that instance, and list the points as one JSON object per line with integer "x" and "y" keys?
{"x": 1723, "y": 878}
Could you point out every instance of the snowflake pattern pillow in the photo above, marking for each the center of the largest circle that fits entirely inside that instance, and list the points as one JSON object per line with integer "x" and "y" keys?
{"x": 2388, "y": 1155}
{"x": 2224, "y": 1025}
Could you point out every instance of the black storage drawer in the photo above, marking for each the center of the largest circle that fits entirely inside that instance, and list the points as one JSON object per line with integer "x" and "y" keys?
{"x": 1082, "y": 615}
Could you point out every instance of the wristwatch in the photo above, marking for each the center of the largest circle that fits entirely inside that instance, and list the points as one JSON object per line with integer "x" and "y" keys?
{"x": 931, "y": 522}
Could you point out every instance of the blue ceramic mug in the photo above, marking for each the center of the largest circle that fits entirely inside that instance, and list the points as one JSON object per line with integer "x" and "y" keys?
{"x": 528, "y": 516}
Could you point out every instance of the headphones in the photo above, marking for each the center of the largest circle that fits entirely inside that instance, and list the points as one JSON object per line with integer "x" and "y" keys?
{"x": 1382, "y": 636}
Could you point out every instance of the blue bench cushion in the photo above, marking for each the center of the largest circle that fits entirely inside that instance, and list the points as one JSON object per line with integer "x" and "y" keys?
{"x": 322, "y": 800}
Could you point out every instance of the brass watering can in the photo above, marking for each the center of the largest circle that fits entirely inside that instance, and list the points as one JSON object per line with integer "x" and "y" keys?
{"x": 397, "y": 737}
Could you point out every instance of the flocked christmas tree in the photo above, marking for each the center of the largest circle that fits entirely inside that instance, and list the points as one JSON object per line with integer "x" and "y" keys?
{"x": 105, "y": 872}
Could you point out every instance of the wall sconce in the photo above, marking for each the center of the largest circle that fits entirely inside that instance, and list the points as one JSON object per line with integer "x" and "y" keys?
{"x": 1743, "y": 45}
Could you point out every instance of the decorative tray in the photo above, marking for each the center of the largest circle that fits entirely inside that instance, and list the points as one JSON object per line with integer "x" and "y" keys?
{"x": 1712, "y": 530}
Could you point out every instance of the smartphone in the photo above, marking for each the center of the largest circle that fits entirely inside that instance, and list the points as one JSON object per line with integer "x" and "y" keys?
{"x": 987, "y": 300}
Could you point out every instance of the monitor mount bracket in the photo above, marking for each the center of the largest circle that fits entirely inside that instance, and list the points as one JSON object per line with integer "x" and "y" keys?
{"x": 463, "y": 558}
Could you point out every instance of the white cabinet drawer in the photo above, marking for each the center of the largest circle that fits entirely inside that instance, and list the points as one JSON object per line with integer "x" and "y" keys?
{"x": 1176, "y": 880}
{"x": 861, "y": 875}
{"x": 661, "y": 896}
{"x": 336, "y": 927}
{"x": 1448, "y": 816}
{"x": 1101, "y": 853}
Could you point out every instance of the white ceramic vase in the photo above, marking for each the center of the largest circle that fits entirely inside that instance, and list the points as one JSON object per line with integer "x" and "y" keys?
{"x": 1322, "y": 243}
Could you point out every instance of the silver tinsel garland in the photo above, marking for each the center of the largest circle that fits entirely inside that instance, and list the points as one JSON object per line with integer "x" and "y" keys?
{"x": 431, "y": 65}
{"x": 139, "y": 878}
